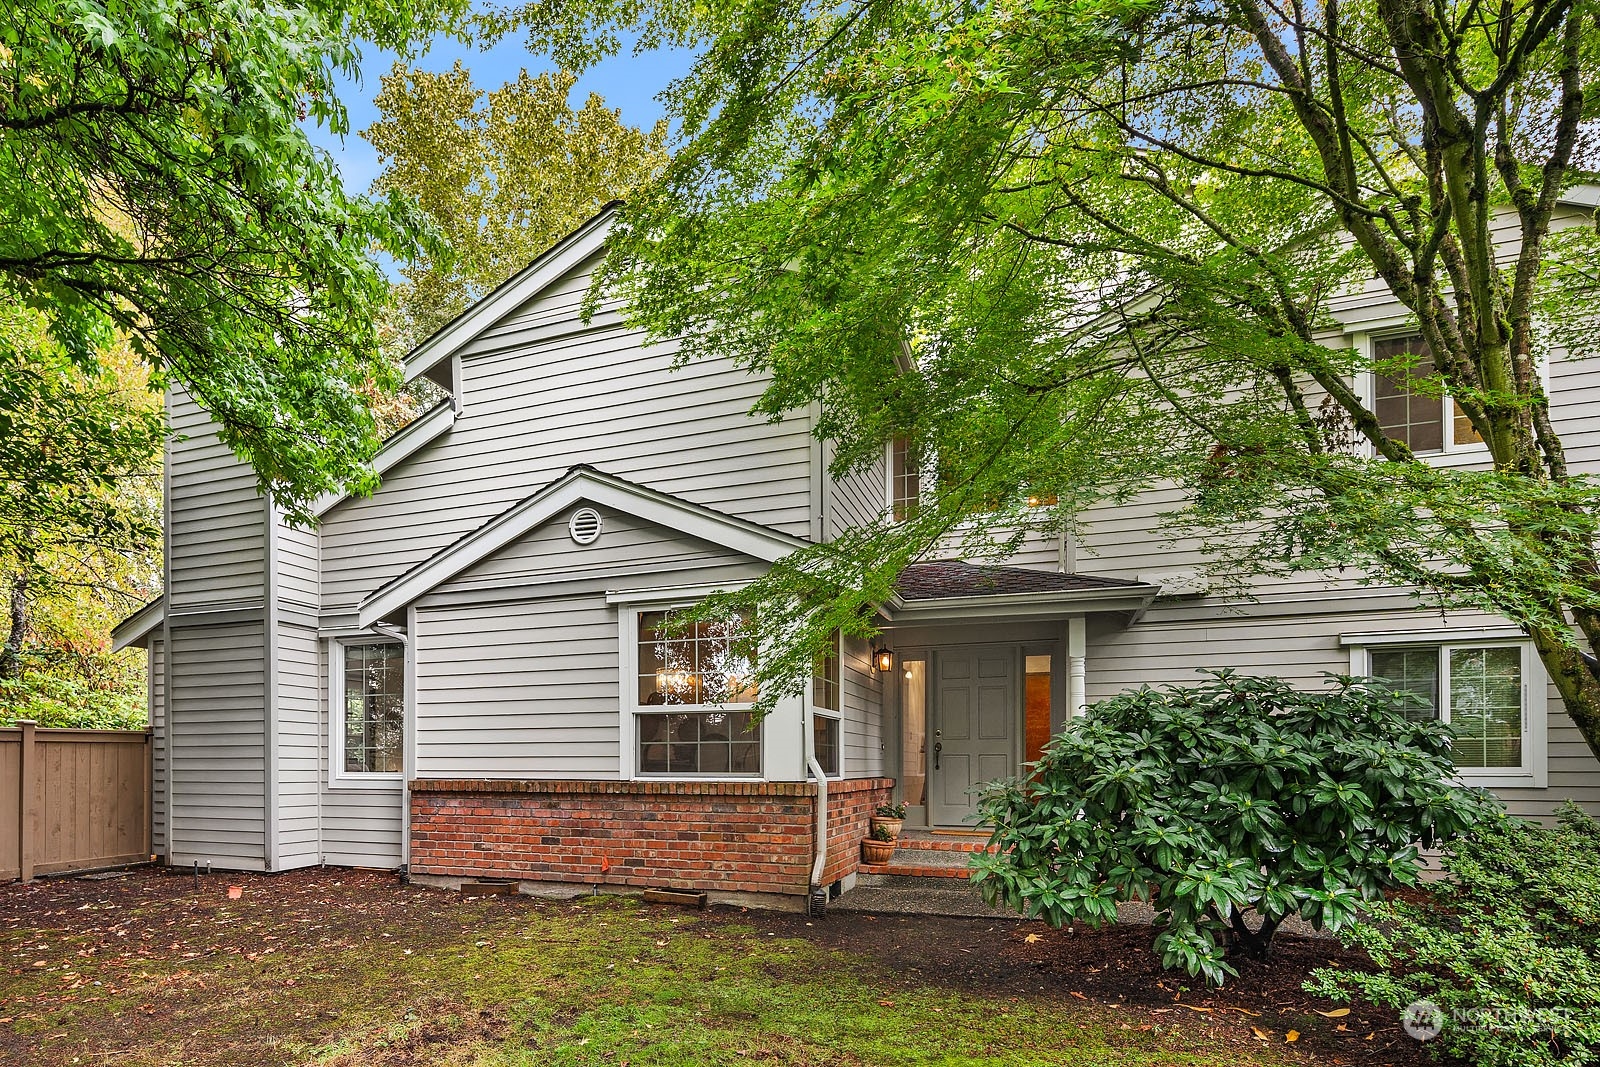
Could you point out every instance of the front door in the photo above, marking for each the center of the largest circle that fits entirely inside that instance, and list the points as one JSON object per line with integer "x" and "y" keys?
{"x": 976, "y": 712}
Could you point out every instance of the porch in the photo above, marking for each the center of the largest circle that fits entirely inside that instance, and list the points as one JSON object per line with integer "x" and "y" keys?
{"x": 988, "y": 664}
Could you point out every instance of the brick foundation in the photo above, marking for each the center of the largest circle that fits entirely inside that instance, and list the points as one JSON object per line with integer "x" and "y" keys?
{"x": 722, "y": 837}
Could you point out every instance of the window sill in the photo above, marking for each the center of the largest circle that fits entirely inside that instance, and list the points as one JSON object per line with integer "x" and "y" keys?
{"x": 1500, "y": 779}
{"x": 356, "y": 782}
{"x": 712, "y": 778}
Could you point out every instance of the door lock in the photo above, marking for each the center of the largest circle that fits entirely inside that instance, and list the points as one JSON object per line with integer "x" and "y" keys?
{"x": 937, "y": 748}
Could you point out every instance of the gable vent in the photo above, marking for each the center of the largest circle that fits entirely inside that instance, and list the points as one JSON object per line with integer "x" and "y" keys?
{"x": 584, "y": 526}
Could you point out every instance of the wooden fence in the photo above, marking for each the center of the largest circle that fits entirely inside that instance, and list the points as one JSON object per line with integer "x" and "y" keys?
{"x": 72, "y": 799}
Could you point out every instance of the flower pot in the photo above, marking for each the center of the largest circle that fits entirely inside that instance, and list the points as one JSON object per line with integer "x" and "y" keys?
{"x": 894, "y": 826}
{"x": 876, "y": 851}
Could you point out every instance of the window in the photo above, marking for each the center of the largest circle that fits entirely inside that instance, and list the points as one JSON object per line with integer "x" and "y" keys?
{"x": 1477, "y": 689}
{"x": 368, "y": 735}
{"x": 1410, "y": 411}
{"x": 695, "y": 686}
{"x": 827, "y": 690}
{"x": 905, "y": 478}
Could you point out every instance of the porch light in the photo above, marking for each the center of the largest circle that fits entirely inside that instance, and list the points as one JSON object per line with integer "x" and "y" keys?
{"x": 883, "y": 659}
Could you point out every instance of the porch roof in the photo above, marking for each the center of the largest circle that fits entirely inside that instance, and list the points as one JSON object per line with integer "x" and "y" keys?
{"x": 955, "y": 591}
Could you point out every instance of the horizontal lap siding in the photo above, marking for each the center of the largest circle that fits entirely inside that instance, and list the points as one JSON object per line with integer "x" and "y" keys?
{"x": 299, "y": 754}
{"x": 862, "y": 703}
{"x": 1301, "y": 649}
{"x": 214, "y": 514}
{"x": 857, "y": 498}
{"x": 299, "y": 561}
{"x": 542, "y": 393}
{"x": 158, "y": 747}
{"x": 216, "y": 694}
{"x": 529, "y": 687}
{"x": 518, "y": 690}
{"x": 628, "y": 553}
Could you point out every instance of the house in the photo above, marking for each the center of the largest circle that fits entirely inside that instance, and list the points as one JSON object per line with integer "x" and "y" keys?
{"x": 466, "y": 674}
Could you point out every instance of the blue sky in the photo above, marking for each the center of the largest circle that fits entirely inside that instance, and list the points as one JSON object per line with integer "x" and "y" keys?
{"x": 627, "y": 82}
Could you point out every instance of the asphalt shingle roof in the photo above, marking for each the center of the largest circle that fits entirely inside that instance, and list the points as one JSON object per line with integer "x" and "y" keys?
{"x": 953, "y": 578}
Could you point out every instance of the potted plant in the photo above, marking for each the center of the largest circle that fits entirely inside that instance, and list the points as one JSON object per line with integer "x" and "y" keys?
{"x": 891, "y": 817}
{"x": 878, "y": 847}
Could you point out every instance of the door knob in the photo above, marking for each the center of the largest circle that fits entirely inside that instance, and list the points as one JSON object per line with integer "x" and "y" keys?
{"x": 937, "y": 748}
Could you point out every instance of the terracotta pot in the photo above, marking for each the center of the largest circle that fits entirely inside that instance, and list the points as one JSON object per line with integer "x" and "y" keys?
{"x": 894, "y": 826}
{"x": 876, "y": 851}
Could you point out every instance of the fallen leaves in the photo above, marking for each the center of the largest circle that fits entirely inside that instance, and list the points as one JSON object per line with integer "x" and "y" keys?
{"x": 1336, "y": 1013}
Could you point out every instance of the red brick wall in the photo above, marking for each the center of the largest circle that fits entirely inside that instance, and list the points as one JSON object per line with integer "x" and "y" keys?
{"x": 753, "y": 837}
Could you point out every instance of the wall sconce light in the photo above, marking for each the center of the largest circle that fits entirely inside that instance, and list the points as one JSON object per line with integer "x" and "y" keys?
{"x": 883, "y": 659}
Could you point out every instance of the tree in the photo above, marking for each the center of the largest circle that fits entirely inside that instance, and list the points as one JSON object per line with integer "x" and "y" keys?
{"x": 1237, "y": 801}
{"x": 158, "y": 185}
{"x": 80, "y": 524}
{"x": 1077, "y": 250}
{"x": 500, "y": 174}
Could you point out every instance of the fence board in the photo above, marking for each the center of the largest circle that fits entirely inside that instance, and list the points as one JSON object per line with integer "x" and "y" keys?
{"x": 72, "y": 799}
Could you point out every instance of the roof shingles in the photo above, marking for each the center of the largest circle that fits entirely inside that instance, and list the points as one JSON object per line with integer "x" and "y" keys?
{"x": 944, "y": 579}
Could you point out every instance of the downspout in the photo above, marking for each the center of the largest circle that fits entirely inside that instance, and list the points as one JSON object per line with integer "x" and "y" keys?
{"x": 821, "y": 861}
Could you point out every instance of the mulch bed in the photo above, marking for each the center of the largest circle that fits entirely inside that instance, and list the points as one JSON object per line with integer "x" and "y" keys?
{"x": 1027, "y": 961}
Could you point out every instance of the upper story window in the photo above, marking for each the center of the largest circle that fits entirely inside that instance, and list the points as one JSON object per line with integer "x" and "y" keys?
{"x": 368, "y": 691}
{"x": 694, "y": 691}
{"x": 1409, "y": 411}
{"x": 905, "y": 478}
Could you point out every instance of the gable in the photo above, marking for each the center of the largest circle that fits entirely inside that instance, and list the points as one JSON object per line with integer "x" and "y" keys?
{"x": 630, "y": 552}
{"x": 611, "y": 495}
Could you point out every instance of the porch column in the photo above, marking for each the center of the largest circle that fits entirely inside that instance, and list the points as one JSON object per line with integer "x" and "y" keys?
{"x": 1077, "y": 639}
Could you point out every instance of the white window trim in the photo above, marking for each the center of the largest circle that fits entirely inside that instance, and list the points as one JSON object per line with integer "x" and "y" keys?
{"x": 338, "y": 777}
{"x": 1535, "y": 770}
{"x": 1452, "y": 454}
{"x": 812, "y": 711}
{"x": 628, "y": 699}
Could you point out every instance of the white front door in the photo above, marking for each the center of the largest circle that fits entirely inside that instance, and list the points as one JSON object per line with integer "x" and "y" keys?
{"x": 977, "y": 709}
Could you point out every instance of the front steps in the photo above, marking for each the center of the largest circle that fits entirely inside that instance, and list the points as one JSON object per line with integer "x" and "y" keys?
{"x": 927, "y": 875}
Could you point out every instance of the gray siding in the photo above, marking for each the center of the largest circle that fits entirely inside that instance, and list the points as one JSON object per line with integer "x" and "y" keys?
{"x": 862, "y": 712}
{"x": 216, "y": 689}
{"x": 542, "y": 392}
{"x": 858, "y": 498}
{"x": 299, "y": 749}
{"x": 1167, "y": 648}
{"x": 525, "y": 689}
{"x": 517, "y": 668}
{"x": 216, "y": 519}
{"x": 157, "y": 666}
{"x": 299, "y": 564}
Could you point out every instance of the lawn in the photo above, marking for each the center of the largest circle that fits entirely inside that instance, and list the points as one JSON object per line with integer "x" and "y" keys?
{"x": 346, "y": 968}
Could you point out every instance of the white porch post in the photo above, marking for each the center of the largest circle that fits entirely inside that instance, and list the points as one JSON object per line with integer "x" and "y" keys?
{"x": 1077, "y": 639}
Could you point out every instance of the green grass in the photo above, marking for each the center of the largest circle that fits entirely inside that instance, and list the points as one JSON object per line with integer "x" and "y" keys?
{"x": 508, "y": 982}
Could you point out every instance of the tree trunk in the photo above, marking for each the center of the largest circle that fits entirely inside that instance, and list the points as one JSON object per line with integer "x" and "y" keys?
{"x": 11, "y": 651}
{"x": 1253, "y": 943}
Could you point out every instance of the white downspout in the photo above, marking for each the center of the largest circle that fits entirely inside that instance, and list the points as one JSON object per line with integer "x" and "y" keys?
{"x": 821, "y": 861}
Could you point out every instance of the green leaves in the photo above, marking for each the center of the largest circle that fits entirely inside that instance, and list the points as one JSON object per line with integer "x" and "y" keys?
{"x": 157, "y": 183}
{"x": 1162, "y": 794}
{"x": 1506, "y": 945}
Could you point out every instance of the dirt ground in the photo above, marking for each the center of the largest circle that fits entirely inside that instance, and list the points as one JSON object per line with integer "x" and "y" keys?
{"x": 339, "y": 967}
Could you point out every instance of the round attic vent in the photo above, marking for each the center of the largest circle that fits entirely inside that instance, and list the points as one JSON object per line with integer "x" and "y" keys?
{"x": 584, "y": 526}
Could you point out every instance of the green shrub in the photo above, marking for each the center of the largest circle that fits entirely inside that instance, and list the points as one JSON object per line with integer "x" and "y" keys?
{"x": 64, "y": 702}
{"x": 1508, "y": 947}
{"x": 1237, "y": 797}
